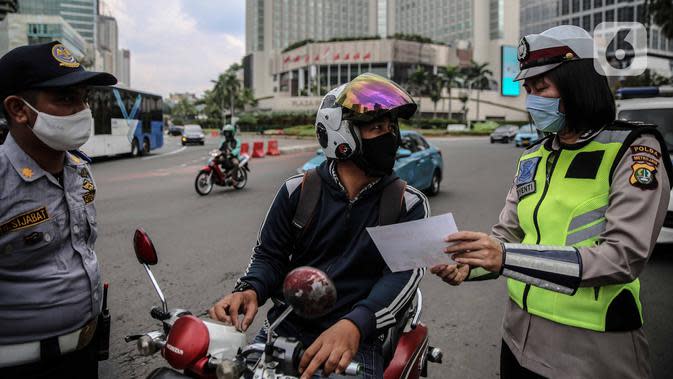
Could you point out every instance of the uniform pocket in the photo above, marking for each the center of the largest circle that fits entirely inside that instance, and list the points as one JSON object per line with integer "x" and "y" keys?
{"x": 32, "y": 245}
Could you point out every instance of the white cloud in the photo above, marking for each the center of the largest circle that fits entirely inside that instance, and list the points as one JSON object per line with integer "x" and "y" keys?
{"x": 169, "y": 52}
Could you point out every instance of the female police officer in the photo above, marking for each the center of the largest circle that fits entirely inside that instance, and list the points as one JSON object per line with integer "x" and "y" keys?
{"x": 578, "y": 225}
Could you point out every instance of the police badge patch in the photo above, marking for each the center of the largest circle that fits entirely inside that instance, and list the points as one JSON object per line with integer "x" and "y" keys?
{"x": 643, "y": 176}
{"x": 525, "y": 178}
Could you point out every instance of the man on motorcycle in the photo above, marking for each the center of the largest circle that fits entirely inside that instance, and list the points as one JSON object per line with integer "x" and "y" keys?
{"x": 230, "y": 148}
{"x": 357, "y": 128}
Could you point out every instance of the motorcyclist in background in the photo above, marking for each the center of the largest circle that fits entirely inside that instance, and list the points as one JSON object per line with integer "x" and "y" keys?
{"x": 230, "y": 148}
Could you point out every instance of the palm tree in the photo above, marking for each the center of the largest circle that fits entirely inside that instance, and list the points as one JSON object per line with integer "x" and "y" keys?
{"x": 662, "y": 15}
{"x": 451, "y": 75}
{"x": 477, "y": 76}
{"x": 418, "y": 81}
{"x": 435, "y": 86}
{"x": 227, "y": 86}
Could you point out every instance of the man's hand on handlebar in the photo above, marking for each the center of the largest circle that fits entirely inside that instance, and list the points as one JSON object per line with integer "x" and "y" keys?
{"x": 335, "y": 347}
{"x": 230, "y": 306}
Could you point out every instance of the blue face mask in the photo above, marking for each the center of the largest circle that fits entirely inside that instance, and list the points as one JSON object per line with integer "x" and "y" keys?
{"x": 545, "y": 113}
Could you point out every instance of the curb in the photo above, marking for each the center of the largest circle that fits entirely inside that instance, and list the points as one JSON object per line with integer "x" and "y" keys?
{"x": 299, "y": 149}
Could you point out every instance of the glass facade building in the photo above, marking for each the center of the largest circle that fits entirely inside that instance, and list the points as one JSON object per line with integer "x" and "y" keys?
{"x": 277, "y": 24}
{"x": 80, "y": 14}
{"x": 538, "y": 15}
{"x": 446, "y": 21}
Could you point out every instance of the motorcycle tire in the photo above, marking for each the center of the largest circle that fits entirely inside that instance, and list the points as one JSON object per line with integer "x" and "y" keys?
{"x": 242, "y": 179}
{"x": 203, "y": 183}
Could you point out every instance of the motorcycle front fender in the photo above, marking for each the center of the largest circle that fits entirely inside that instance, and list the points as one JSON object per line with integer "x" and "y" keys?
{"x": 410, "y": 352}
{"x": 207, "y": 169}
{"x": 166, "y": 373}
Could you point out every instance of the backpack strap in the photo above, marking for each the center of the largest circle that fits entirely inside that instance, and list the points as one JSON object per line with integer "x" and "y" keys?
{"x": 308, "y": 199}
{"x": 390, "y": 204}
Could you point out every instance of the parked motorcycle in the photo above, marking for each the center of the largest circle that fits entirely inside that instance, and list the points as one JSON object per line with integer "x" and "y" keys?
{"x": 212, "y": 174}
{"x": 207, "y": 349}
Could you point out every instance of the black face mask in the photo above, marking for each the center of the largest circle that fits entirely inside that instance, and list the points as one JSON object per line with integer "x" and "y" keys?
{"x": 378, "y": 155}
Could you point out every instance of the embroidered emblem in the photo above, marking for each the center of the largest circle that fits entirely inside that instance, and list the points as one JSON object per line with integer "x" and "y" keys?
{"x": 643, "y": 176}
{"x": 525, "y": 178}
{"x": 522, "y": 51}
{"x": 635, "y": 149}
{"x": 27, "y": 172}
{"x": 63, "y": 56}
{"x": 24, "y": 220}
{"x": 527, "y": 170}
{"x": 90, "y": 193}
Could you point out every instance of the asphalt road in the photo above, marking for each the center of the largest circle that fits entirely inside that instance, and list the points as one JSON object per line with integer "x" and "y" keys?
{"x": 204, "y": 244}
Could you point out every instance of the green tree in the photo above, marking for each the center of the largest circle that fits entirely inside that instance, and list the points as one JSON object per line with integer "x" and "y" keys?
{"x": 184, "y": 110}
{"x": 451, "y": 76}
{"x": 646, "y": 79}
{"x": 435, "y": 86}
{"x": 418, "y": 82}
{"x": 662, "y": 15}
{"x": 477, "y": 76}
{"x": 226, "y": 89}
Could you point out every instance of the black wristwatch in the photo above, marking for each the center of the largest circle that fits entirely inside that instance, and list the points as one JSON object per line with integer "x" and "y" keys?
{"x": 243, "y": 286}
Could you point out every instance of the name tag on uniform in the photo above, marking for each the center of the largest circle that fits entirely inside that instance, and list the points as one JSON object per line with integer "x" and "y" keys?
{"x": 525, "y": 178}
{"x": 24, "y": 220}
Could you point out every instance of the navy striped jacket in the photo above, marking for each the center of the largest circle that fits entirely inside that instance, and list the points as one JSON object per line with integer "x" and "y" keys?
{"x": 335, "y": 241}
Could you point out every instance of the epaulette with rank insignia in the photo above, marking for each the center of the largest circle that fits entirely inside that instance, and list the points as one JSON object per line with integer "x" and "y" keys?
{"x": 630, "y": 124}
{"x": 80, "y": 154}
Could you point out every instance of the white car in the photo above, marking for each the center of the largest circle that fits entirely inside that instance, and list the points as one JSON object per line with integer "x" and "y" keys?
{"x": 652, "y": 105}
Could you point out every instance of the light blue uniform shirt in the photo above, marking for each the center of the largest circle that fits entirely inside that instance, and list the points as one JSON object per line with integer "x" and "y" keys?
{"x": 49, "y": 276}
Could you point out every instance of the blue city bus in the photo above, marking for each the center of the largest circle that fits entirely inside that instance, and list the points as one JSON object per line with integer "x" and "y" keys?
{"x": 125, "y": 122}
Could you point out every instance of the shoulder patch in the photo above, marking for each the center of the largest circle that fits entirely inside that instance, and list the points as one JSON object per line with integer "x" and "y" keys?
{"x": 643, "y": 176}
{"x": 638, "y": 149}
{"x": 25, "y": 220}
{"x": 292, "y": 183}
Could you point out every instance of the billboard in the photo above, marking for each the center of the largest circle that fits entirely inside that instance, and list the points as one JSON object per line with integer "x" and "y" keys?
{"x": 508, "y": 70}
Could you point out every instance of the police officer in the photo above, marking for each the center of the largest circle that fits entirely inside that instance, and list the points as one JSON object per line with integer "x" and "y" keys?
{"x": 579, "y": 223}
{"x": 50, "y": 287}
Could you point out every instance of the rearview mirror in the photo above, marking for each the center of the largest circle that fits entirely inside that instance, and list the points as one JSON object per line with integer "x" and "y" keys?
{"x": 144, "y": 248}
{"x": 309, "y": 291}
{"x": 403, "y": 153}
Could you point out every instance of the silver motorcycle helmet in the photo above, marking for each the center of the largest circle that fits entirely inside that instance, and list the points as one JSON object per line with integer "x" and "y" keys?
{"x": 364, "y": 99}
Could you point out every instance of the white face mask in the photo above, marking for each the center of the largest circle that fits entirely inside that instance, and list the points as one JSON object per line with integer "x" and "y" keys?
{"x": 63, "y": 133}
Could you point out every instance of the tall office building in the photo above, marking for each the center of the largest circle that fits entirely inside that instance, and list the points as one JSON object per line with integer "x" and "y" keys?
{"x": 538, "y": 15}
{"x": 107, "y": 36}
{"x": 7, "y": 6}
{"x": 30, "y": 29}
{"x": 80, "y": 14}
{"x": 460, "y": 30}
{"x": 123, "y": 71}
{"x": 276, "y": 24}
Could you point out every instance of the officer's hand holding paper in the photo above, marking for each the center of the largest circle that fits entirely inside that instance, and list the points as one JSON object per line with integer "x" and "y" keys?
{"x": 414, "y": 244}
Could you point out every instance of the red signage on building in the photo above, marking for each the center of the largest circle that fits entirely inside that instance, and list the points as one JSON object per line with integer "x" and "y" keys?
{"x": 367, "y": 56}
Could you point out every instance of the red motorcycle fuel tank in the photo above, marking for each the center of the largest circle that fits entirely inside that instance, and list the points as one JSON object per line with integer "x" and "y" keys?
{"x": 409, "y": 355}
{"x": 187, "y": 342}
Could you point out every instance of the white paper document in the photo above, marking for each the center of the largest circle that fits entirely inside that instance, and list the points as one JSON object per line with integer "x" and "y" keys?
{"x": 414, "y": 244}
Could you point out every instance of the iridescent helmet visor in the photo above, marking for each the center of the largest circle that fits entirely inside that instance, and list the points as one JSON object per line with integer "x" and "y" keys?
{"x": 370, "y": 95}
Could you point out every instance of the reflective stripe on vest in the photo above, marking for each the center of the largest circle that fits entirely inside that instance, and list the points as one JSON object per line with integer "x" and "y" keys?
{"x": 562, "y": 201}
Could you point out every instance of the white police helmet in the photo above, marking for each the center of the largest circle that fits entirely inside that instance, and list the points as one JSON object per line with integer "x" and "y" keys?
{"x": 363, "y": 99}
{"x": 539, "y": 53}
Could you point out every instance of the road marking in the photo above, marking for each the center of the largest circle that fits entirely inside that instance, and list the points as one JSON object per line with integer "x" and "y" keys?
{"x": 164, "y": 154}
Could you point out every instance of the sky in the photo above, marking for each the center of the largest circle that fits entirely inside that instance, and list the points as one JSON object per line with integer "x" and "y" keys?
{"x": 179, "y": 45}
